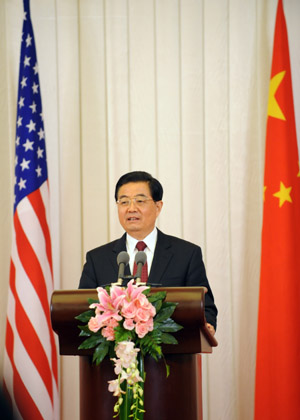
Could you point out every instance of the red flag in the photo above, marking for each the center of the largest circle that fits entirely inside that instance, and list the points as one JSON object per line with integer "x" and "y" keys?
{"x": 277, "y": 393}
{"x": 30, "y": 367}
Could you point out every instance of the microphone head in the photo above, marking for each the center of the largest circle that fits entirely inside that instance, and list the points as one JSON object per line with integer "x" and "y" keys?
{"x": 140, "y": 257}
{"x": 123, "y": 257}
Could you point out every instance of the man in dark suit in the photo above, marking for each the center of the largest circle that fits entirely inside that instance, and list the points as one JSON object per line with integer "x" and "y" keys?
{"x": 171, "y": 262}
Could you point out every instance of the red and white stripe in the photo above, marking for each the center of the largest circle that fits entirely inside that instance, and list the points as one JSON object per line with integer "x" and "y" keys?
{"x": 30, "y": 368}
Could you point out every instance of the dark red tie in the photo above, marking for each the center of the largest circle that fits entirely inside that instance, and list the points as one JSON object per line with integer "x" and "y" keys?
{"x": 140, "y": 246}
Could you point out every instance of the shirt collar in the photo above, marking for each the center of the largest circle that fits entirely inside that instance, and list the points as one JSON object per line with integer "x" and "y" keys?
{"x": 150, "y": 241}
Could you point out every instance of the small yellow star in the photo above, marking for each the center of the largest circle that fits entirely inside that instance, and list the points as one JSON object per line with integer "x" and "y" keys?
{"x": 283, "y": 194}
{"x": 299, "y": 170}
{"x": 273, "y": 107}
{"x": 265, "y": 192}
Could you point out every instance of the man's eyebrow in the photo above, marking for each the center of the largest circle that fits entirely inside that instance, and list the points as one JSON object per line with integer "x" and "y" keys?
{"x": 135, "y": 196}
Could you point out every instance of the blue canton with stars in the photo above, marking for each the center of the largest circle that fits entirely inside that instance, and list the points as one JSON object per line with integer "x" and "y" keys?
{"x": 30, "y": 157}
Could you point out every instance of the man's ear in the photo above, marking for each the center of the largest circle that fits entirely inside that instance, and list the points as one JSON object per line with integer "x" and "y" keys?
{"x": 159, "y": 205}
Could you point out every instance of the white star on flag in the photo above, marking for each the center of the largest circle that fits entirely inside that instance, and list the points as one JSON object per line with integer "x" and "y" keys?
{"x": 28, "y": 40}
{"x": 28, "y": 145}
{"x": 22, "y": 183}
{"x": 40, "y": 153}
{"x": 35, "y": 88}
{"x": 24, "y": 82}
{"x": 36, "y": 68}
{"x": 21, "y": 102}
{"x": 41, "y": 134}
{"x": 31, "y": 126}
{"x": 27, "y": 61}
{"x": 33, "y": 107}
{"x": 25, "y": 164}
{"x": 39, "y": 171}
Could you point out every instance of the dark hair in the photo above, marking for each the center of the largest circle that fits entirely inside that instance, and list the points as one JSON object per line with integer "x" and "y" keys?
{"x": 155, "y": 186}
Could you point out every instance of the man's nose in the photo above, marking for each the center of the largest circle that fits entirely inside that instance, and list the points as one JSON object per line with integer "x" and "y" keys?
{"x": 132, "y": 205}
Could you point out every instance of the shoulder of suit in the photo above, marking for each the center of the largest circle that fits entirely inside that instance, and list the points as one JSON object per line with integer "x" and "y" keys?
{"x": 105, "y": 247}
{"x": 174, "y": 240}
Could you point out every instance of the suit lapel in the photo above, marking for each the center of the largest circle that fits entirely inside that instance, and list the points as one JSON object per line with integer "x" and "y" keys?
{"x": 161, "y": 259}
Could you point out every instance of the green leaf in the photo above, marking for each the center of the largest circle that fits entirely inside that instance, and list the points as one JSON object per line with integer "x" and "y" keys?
{"x": 90, "y": 301}
{"x": 85, "y": 316}
{"x": 169, "y": 305}
{"x": 152, "y": 337}
{"x": 155, "y": 351}
{"x": 100, "y": 352}
{"x": 157, "y": 305}
{"x": 121, "y": 334}
{"x": 166, "y": 304}
{"x": 168, "y": 339}
{"x": 111, "y": 351}
{"x": 85, "y": 331}
{"x": 150, "y": 344}
{"x": 169, "y": 326}
{"x": 157, "y": 296}
{"x": 146, "y": 292}
{"x": 164, "y": 314}
{"x": 91, "y": 342}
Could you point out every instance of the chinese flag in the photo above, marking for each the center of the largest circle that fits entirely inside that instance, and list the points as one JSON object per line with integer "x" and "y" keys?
{"x": 277, "y": 393}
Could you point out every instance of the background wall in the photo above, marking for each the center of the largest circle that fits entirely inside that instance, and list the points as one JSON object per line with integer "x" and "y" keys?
{"x": 179, "y": 89}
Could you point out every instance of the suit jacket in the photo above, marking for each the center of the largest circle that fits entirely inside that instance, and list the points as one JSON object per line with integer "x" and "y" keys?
{"x": 176, "y": 263}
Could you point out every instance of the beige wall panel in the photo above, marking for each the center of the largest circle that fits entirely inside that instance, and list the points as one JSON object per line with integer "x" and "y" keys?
{"x": 217, "y": 197}
{"x": 169, "y": 113}
{"x": 70, "y": 179}
{"x": 95, "y": 192}
{"x": 118, "y": 116}
{"x": 142, "y": 86}
{"x": 245, "y": 178}
{"x": 69, "y": 135}
{"x": 6, "y": 177}
{"x": 192, "y": 97}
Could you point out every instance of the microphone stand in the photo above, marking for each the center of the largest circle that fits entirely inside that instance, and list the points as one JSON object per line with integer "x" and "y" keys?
{"x": 127, "y": 278}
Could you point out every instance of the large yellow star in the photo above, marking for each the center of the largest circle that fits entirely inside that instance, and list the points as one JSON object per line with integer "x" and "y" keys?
{"x": 264, "y": 192}
{"x": 273, "y": 107}
{"x": 284, "y": 194}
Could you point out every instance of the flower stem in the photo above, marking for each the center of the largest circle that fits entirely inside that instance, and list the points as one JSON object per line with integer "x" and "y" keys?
{"x": 127, "y": 402}
{"x": 140, "y": 360}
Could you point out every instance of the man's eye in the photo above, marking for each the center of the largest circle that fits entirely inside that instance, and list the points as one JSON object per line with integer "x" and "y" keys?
{"x": 124, "y": 202}
{"x": 140, "y": 201}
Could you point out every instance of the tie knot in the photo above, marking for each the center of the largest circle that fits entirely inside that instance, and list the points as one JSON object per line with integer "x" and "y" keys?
{"x": 140, "y": 246}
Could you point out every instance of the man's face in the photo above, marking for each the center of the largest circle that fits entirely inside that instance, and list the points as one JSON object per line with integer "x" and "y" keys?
{"x": 138, "y": 219}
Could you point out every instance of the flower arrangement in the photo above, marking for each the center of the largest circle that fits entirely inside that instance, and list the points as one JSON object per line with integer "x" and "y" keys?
{"x": 127, "y": 323}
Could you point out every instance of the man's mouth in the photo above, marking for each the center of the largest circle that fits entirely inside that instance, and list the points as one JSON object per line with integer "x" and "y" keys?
{"x": 132, "y": 219}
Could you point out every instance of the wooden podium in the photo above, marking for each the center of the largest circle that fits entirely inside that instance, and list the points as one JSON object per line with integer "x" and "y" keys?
{"x": 177, "y": 397}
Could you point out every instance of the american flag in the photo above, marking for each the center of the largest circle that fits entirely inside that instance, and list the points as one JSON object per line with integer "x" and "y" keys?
{"x": 30, "y": 367}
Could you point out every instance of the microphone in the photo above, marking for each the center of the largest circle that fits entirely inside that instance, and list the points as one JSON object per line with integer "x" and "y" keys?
{"x": 140, "y": 260}
{"x": 122, "y": 260}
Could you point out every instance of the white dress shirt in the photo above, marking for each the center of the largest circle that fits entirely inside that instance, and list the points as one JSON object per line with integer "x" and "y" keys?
{"x": 150, "y": 241}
